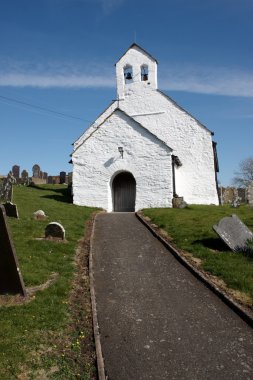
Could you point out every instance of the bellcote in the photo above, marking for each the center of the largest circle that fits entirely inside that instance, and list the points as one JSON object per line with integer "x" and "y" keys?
{"x": 135, "y": 68}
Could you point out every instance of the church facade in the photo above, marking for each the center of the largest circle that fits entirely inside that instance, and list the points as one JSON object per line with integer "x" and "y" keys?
{"x": 144, "y": 149}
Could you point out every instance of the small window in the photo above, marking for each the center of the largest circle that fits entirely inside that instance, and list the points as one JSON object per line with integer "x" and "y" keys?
{"x": 144, "y": 72}
{"x": 128, "y": 74}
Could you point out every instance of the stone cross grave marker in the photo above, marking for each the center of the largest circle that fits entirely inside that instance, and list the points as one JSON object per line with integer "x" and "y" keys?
{"x": 233, "y": 232}
{"x": 11, "y": 281}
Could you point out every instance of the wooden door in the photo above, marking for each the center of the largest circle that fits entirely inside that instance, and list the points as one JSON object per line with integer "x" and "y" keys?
{"x": 124, "y": 192}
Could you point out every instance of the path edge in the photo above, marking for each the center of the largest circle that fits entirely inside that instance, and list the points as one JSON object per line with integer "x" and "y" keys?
{"x": 100, "y": 359}
{"x": 236, "y": 307}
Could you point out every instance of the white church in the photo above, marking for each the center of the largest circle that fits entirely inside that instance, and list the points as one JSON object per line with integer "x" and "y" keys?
{"x": 144, "y": 150}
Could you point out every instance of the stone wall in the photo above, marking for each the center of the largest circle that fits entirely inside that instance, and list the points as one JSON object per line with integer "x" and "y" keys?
{"x": 230, "y": 194}
{"x": 250, "y": 194}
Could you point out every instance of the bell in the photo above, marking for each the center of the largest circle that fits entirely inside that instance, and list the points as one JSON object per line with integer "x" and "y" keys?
{"x": 128, "y": 76}
{"x": 145, "y": 77}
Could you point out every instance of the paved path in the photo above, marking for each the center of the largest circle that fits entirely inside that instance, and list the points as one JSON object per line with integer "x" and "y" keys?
{"x": 157, "y": 321}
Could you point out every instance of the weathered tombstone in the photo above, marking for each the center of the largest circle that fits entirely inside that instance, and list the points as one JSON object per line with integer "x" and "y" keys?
{"x": 36, "y": 171}
{"x": 62, "y": 177}
{"x": 16, "y": 171}
{"x": 11, "y": 209}
{"x": 6, "y": 189}
{"x": 55, "y": 230}
{"x": 233, "y": 232}
{"x": 39, "y": 215}
{"x": 11, "y": 281}
{"x": 25, "y": 177}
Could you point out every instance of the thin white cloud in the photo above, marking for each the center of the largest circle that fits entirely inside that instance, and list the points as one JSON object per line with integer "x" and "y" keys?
{"x": 215, "y": 81}
{"x": 111, "y": 5}
{"x": 108, "y": 6}
{"x": 56, "y": 81}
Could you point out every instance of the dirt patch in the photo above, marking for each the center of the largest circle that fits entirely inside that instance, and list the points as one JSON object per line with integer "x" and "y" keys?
{"x": 15, "y": 300}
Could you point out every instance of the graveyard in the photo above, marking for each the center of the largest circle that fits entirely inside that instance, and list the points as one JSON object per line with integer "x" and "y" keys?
{"x": 49, "y": 332}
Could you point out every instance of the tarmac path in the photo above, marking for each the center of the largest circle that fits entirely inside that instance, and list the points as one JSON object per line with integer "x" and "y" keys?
{"x": 156, "y": 320}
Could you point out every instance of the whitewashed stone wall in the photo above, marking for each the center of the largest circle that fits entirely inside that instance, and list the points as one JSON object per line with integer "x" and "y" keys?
{"x": 97, "y": 161}
{"x": 190, "y": 141}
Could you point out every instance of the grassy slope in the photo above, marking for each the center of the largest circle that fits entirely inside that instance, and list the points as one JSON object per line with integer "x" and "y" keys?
{"x": 191, "y": 230}
{"x": 28, "y": 330}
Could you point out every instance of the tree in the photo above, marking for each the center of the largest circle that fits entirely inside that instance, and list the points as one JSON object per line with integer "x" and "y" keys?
{"x": 245, "y": 174}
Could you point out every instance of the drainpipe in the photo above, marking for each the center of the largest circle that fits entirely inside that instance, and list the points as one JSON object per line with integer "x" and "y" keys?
{"x": 175, "y": 162}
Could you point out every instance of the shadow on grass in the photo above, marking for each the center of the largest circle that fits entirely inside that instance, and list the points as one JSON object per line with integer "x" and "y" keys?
{"x": 61, "y": 195}
{"x": 213, "y": 243}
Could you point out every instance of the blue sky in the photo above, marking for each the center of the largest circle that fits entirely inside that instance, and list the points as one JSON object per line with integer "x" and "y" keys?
{"x": 57, "y": 71}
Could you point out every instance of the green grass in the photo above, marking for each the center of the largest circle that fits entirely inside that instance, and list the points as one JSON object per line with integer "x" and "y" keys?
{"x": 191, "y": 230}
{"x": 28, "y": 332}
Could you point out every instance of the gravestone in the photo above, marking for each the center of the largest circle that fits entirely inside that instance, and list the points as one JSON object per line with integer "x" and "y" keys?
{"x": 55, "y": 230}
{"x": 36, "y": 171}
{"x": 62, "y": 177}
{"x": 233, "y": 232}
{"x": 39, "y": 215}
{"x": 25, "y": 177}
{"x": 11, "y": 281}
{"x": 11, "y": 209}
{"x": 6, "y": 189}
{"x": 16, "y": 171}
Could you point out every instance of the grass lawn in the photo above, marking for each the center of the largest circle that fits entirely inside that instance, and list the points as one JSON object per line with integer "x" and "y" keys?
{"x": 191, "y": 230}
{"x": 50, "y": 336}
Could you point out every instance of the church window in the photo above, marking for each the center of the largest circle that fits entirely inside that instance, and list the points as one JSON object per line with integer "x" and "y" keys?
{"x": 128, "y": 74}
{"x": 144, "y": 72}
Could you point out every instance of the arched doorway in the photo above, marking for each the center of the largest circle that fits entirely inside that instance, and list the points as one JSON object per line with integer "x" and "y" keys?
{"x": 124, "y": 191}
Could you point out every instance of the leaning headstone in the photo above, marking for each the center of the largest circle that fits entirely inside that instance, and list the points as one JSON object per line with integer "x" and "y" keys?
{"x": 39, "y": 215}
{"x": 55, "y": 230}
{"x": 233, "y": 232}
{"x": 11, "y": 209}
{"x": 11, "y": 281}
